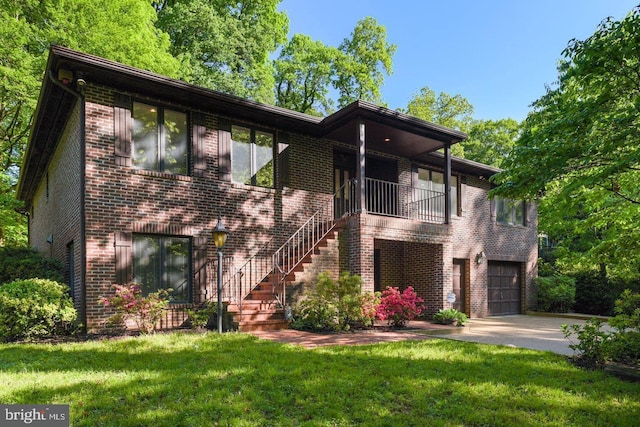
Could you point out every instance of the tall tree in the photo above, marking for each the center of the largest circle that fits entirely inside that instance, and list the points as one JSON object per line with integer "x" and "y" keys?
{"x": 579, "y": 148}
{"x": 366, "y": 58}
{"x": 225, "y": 44}
{"x": 491, "y": 141}
{"x": 303, "y": 74}
{"x": 443, "y": 109}
{"x": 28, "y": 28}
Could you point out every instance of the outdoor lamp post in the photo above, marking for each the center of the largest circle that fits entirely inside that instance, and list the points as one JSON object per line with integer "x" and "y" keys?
{"x": 219, "y": 238}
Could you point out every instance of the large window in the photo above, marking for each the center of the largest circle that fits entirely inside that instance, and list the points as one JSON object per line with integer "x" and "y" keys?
{"x": 510, "y": 212}
{"x": 252, "y": 157}
{"x": 160, "y": 139}
{"x": 163, "y": 262}
{"x": 431, "y": 186}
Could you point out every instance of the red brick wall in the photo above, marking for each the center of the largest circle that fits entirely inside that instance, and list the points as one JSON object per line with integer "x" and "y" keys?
{"x": 58, "y": 214}
{"x": 122, "y": 199}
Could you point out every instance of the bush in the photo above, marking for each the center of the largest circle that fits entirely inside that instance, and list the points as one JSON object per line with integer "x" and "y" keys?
{"x": 556, "y": 294}
{"x": 131, "y": 304}
{"x": 399, "y": 308}
{"x": 591, "y": 345}
{"x": 594, "y": 294}
{"x": 35, "y": 308}
{"x": 335, "y": 305}
{"x": 203, "y": 316}
{"x": 450, "y": 316}
{"x": 625, "y": 341}
{"x": 26, "y": 263}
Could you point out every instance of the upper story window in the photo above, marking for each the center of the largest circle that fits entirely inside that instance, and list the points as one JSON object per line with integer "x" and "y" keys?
{"x": 509, "y": 212}
{"x": 160, "y": 139}
{"x": 252, "y": 157}
{"x": 434, "y": 181}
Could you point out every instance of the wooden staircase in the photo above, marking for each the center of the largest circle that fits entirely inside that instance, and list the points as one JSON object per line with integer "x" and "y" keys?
{"x": 260, "y": 310}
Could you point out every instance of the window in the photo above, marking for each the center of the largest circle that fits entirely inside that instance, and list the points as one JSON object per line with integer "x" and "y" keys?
{"x": 431, "y": 181}
{"x": 510, "y": 212}
{"x": 252, "y": 157}
{"x": 162, "y": 262}
{"x": 160, "y": 141}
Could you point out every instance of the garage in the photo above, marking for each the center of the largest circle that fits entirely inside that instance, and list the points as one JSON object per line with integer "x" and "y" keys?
{"x": 504, "y": 294}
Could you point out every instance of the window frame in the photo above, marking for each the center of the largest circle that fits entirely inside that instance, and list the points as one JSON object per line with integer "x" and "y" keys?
{"x": 161, "y": 137}
{"x": 253, "y": 171}
{"x": 510, "y": 215}
{"x": 456, "y": 208}
{"x": 163, "y": 257}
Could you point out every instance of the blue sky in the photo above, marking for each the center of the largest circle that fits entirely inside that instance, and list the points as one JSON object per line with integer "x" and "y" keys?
{"x": 499, "y": 54}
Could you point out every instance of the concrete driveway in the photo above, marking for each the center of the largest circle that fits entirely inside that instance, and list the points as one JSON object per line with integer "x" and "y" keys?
{"x": 535, "y": 332}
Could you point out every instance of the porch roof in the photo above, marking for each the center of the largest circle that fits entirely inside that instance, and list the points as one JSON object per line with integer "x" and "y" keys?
{"x": 387, "y": 131}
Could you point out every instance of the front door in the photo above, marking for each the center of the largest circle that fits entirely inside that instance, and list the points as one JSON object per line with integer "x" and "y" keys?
{"x": 459, "y": 285}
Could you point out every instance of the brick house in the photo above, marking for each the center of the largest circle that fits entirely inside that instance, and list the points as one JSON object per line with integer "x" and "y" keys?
{"x": 126, "y": 173}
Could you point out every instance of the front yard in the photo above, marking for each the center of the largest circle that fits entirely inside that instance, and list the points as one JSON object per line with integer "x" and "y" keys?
{"x": 187, "y": 379}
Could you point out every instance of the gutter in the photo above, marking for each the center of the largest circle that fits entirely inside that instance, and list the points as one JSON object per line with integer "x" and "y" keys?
{"x": 79, "y": 95}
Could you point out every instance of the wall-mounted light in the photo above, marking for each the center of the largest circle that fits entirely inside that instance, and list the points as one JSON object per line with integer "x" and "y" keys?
{"x": 481, "y": 257}
{"x": 50, "y": 239}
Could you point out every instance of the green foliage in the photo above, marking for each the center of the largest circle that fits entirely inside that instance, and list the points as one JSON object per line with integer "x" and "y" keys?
{"x": 203, "y": 315}
{"x": 556, "y": 294}
{"x": 225, "y": 45}
{"x": 364, "y": 60}
{"x": 446, "y": 110}
{"x": 26, "y": 263}
{"x": 129, "y": 303}
{"x": 13, "y": 224}
{"x": 335, "y": 305}
{"x": 578, "y": 150}
{"x": 591, "y": 345}
{"x": 450, "y": 316}
{"x": 303, "y": 73}
{"x": 622, "y": 344}
{"x": 594, "y": 294}
{"x": 491, "y": 141}
{"x": 35, "y": 308}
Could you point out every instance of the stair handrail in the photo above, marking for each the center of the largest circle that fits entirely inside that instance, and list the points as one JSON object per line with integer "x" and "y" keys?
{"x": 303, "y": 241}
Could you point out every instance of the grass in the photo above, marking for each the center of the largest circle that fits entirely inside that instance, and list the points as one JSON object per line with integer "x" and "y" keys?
{"x": 186, "y": 379}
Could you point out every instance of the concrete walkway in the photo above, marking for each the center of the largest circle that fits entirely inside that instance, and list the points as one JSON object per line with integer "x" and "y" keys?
{"x": 535, "y": 332}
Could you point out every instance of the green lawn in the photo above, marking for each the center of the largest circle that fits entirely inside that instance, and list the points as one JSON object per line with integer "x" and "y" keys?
{"x": 183, "y": 379}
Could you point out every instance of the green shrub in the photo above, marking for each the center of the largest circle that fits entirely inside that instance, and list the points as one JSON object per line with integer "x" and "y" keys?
{"x": 593, "y": 294}
{"x": 34, "y": 308}
{"x": 203, "y": 316}
{"x": 335, "y": 305}
{"x": 450, "y": 316}
{"x": 556, "y": 294}
{"x": 624, "y": 345}
{"x": 27, "y": 263}
{"x": 592, "y": 342}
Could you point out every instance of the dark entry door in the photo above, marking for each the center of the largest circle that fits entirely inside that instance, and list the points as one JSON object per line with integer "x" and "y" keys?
{"x": 504, "y": 288}
{"x": 459, "y": 285}
{"x": 344, "y": 170}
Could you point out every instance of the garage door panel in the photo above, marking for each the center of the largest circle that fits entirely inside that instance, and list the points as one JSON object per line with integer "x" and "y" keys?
{"x": 504, "y": 288}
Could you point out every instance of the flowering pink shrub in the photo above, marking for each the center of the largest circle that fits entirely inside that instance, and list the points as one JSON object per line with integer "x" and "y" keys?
{"x": 398, "y": 308}
{"x": 130, "y": 304}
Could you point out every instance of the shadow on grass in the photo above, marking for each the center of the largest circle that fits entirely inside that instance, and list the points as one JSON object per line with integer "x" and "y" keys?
{"x": 236, "y": 379}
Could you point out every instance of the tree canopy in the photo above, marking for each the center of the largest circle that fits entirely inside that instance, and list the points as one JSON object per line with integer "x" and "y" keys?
{"x": 579, "y": 150}
{"x": 224, "y": 44}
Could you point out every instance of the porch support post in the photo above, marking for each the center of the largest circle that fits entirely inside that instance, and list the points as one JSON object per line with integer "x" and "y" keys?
{"x": 361, "y": 196}
{"x": 447, "y": 183}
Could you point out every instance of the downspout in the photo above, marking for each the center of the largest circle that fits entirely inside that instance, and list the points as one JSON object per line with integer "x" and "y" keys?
{"x": 83, "y": 253}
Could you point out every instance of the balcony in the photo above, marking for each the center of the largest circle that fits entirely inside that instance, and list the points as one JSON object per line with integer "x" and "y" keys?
{"x": 395, "y": 200}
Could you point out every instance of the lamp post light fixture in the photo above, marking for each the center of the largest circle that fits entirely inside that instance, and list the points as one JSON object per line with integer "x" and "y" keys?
{"x": 219, "y": 239}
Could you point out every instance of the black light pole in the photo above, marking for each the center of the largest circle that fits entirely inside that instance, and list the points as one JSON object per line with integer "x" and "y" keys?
{"x": 219, "y": 238}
